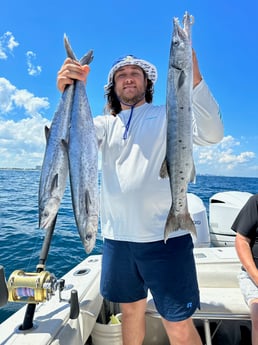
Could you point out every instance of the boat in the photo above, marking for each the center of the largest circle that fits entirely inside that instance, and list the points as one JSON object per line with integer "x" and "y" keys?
{"x": 71, "y": 311}
{"x": 223, "y": 209}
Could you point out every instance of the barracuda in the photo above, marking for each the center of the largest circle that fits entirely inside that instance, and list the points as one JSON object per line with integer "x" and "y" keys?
{"x": 178, "y": 164}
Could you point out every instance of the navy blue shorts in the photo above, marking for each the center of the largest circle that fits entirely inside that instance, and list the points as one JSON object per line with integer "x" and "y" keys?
{"x": 129, "y": 269}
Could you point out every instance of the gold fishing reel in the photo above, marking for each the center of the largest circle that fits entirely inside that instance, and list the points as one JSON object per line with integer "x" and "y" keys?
{"x": 31, "y": 287}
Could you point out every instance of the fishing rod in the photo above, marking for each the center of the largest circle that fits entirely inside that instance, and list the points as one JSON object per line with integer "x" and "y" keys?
{"x": 29, "y": 314}
{"x": 36, "y": 287}
{"x": 31, "y": 288}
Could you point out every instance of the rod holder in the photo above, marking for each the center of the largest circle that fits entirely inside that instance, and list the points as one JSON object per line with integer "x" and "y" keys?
{"x": 74, "y": 305}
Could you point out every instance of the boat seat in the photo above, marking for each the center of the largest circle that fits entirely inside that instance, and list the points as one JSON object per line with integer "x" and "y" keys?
{"x": 217, "y": 304}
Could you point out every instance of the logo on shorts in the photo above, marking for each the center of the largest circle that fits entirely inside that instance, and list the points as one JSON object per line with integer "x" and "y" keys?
{"x": 189, "y": 305}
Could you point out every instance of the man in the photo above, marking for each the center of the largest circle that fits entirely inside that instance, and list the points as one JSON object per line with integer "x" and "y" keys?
{"x": 246, "y": 243}
{"x": 135, "y": 201}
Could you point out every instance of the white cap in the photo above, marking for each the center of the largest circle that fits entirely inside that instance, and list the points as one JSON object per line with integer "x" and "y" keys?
{"x": 148, "y": 68}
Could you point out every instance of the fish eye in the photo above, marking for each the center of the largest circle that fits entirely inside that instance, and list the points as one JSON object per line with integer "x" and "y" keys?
{"x": 88, "y": 237}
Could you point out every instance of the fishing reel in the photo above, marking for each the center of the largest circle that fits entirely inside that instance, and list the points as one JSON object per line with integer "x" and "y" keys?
{"x": 33, "y": 287}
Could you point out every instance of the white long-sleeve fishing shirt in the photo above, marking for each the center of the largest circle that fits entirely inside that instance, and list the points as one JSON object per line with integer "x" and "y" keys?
{"x": 134, "y": 200}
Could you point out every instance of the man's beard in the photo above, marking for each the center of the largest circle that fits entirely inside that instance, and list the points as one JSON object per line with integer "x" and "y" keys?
{"x": 132, "y": 100}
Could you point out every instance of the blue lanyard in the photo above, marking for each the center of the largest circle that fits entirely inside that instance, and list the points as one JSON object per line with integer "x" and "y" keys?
{"x": 128, "y": 123}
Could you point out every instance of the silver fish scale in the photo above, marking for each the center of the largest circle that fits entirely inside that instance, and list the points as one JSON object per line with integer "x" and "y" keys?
{"x": 83, "y": 169}
{"x": 71, "y": 146}
{"x": 179, "y": 164}
{"x": 54, "y": 170}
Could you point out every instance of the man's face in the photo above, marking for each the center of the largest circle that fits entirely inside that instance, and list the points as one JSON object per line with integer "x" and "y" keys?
{"x": 130, "y": 84}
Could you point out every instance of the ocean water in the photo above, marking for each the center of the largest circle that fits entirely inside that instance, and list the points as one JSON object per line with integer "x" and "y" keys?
{"x": 21, "y": 239}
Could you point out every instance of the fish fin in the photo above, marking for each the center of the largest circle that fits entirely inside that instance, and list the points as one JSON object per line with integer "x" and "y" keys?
{"x": 54, "y": 184}
{"x": 179, "y": 221}
{"x": 164, "y": 169}
{"x": 87, "y": 200}
{"x": 47, "y": 130}
{"x": 65, "y": 144}
{"x": 193, "y": 174}
{"x": 181, "y": 79}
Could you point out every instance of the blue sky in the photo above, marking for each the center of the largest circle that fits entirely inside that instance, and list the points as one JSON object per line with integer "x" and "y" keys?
{"x": 225, "y": 37}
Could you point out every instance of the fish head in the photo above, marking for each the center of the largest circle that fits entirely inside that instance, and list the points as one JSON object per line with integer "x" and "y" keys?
{"x": 89, "y": 241}
{"x": 89, "y": 238}
{"x": 181, "y": 46}
{"x": 47, "y": 212}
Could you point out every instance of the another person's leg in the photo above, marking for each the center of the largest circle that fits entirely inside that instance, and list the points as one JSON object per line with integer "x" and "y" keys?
{"x": 254, "y": 317}
{"x": 250, "y": 293}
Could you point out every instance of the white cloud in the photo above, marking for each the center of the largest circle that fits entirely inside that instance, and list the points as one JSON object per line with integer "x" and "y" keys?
{"x": 230, "y": 157}
{"x": 228, "y": 141}
{"x": 33, "y": 70}
{"x": 22, "y": 142}
{"x": 225, "y": 158}
{"x": 11, "y": 98}
{"x": 7, "y": 45}
{"x": 6, "y": 92}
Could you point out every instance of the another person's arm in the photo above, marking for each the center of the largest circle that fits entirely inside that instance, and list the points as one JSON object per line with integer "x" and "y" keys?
{"x": 245, "y": 225}
{"x": 207, "y": 123}
{"x": 242, "y": 245}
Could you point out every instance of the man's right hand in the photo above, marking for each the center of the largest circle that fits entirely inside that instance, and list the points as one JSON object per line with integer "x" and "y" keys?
{"x": 70, "y": 71}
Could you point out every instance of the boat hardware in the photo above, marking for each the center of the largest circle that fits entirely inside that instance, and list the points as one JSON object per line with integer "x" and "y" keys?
{"x": 33, "y": 287}
{"x": 74, "y": 305}
{"x": 3, "y": 288}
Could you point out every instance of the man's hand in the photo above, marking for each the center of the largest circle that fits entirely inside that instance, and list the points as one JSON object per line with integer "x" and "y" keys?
{"x": 70, "y": 71}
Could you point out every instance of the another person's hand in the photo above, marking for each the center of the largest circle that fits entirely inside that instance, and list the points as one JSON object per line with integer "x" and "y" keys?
{"x": 70, "y": 71}
{"x": 197, "y": 77}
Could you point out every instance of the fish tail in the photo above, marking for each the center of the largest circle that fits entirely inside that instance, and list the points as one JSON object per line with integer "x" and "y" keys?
{"x": 85, "y": 60}
{"x": 180, "y": 221}
{"x": 164, "y": 169}
{"x": 68, "y": 49}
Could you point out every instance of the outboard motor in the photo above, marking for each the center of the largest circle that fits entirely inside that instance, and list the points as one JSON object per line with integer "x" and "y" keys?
{"x": 198, "y": 214}
{"x": 223, "y": 210}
